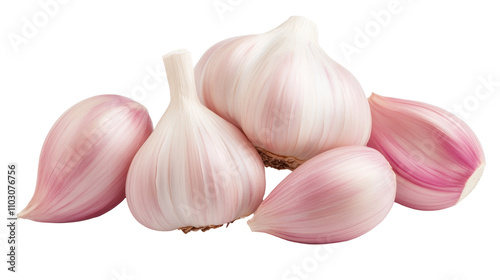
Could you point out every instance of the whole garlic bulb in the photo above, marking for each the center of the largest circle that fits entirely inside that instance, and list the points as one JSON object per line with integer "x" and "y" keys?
{"x": 85, "y": 159}
{"x": 285, "y": 93}
{"x": 437, "y": 158}
{"x": 196, "y": 170}
{"x": 336, "y": 196}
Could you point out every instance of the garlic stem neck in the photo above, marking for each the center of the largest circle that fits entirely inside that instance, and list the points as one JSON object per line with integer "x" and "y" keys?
{"x": 180, "y": 75}
{"x": 299, "y": 28}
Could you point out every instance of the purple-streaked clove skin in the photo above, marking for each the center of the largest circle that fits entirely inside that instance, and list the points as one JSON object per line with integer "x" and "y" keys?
{"x": 336, "y": 196}
{"x": 437, "y": 158}
{"x": 85, "y": 159}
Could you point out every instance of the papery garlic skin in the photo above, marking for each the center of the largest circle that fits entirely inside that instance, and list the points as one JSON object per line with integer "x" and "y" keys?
{"x": 285, "y": 93}
{"x": 85, "y": 158}
{"x": 336, "y": 196}
{"x": 196, "y": 170}
{"x": 437, "y": 158}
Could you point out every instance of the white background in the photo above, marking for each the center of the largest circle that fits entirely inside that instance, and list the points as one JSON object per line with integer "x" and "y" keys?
{"x": 427, "y": 51}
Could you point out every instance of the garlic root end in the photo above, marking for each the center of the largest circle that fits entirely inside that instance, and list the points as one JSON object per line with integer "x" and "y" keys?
{"x": 472, "y": 181}
{"x": 203, "y": 229}
{"x": 277, "y": 161}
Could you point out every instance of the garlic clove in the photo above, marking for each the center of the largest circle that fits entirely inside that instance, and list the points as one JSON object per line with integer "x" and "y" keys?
{"x": 437, "y": 158}
{"x": 333, "y": 197}
{"x": 285, "y": 93}
{"x": 196, "y": 171}
{"x": 85, "y": 158}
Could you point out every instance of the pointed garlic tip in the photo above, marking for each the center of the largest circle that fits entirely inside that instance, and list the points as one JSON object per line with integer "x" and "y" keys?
{"x": 298, "y": 27}
{"x": 85, "y": 159}
{"x": 288, "y": 97}
{"x": 196, "y": 171}
{"x": 437, "y": 158}
{"x": 336, "y": 196}
{"x": 180, "y": 75}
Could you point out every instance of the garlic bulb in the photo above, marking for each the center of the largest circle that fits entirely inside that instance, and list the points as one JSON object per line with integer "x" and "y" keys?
{"x": 85, "y": 159}
{"x": 333, "y": 197}
{"x": 196, "y": 170}
{"x": 437, "y": 158}
{"x": 283, "y": 91}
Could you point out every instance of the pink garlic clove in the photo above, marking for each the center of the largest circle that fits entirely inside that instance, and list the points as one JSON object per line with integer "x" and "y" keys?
{"x": 85, "y": 159}
{"x": 333, "y": 197}
{"x": 437, "y": 158}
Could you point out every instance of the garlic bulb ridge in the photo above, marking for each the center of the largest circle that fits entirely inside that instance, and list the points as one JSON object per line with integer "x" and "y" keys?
{"x": 285, "y": 93}
{"x": 196, "y": 170}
